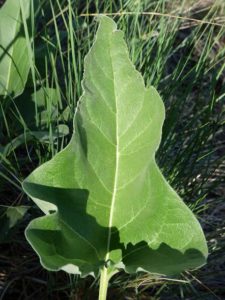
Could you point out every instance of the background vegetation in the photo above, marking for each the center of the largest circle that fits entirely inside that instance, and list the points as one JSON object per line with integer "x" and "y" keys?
{"x": 179, "y": 47}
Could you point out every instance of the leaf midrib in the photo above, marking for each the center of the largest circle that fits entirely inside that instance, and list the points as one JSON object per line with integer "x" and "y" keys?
{"x": 117, "y": 163}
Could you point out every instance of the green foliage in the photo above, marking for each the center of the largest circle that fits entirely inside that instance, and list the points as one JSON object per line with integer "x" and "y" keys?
{"x": 14, "y": 61}
{"x": 184, "y": 60}
{"x": 35, "y": 110}
{"x": 9, "y": 218}
{"x": 105, "y": 199}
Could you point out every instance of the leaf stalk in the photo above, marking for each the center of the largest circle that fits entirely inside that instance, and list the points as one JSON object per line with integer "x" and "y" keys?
{"x": 104, "y": 281}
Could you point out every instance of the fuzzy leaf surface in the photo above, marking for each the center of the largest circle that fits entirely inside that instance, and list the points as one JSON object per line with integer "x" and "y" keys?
{"x": 104, "y": 198}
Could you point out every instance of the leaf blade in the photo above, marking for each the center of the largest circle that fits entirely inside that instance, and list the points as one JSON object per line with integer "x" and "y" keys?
{"x": 117, "y": 130}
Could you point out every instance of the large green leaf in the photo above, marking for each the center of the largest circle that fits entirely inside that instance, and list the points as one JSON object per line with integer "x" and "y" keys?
{"x": 105, "y": 199}
{"x": 14, "y": 61}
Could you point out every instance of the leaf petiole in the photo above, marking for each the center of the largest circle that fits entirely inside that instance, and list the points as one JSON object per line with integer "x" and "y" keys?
{"x": 105, "y": 276}
{"x": 104, "y": 281}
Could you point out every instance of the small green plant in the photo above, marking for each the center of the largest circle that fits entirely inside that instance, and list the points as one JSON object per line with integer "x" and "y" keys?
{"x": 107, "y": 205}
{"x": 10, "y": 216}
